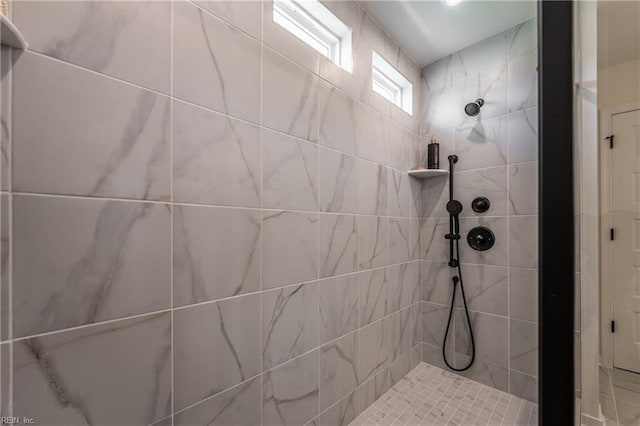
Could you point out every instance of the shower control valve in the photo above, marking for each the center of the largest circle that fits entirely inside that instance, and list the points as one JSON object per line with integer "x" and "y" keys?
{"x": 480, "y": 204}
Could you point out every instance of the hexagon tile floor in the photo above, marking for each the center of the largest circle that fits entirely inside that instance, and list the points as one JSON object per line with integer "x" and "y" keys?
{"x": 431, "y": 396}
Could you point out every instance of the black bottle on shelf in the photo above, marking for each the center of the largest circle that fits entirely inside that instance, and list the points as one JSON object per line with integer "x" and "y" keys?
{"x": 433, "y": 154}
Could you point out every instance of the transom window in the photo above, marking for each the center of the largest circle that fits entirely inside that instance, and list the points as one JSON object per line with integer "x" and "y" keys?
{"x": 390, "y": 84}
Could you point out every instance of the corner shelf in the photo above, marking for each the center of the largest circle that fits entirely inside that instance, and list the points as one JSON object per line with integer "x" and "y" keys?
{"x": 9, "y": 34}
{"x": 427, "y": 173}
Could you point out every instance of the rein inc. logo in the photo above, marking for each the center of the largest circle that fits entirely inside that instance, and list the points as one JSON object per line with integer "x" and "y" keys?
{"x": 17, "y": 421}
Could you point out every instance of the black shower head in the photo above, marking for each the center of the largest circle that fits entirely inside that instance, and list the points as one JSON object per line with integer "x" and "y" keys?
{"x": 473, "y": 108}
{"x": 454, "y": 207}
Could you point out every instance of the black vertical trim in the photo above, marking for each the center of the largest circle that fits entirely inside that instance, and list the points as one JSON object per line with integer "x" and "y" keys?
{"x": 556, "y": 219}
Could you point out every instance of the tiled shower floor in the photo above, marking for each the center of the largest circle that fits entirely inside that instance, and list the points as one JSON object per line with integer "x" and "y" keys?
{"x": 429, "y": 396}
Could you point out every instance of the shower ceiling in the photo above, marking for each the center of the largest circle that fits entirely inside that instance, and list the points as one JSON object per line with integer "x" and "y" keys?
{"x": 430, "y": 30}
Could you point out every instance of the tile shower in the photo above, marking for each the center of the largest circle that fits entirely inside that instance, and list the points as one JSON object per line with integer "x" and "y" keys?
{"x": 225, "y": 233}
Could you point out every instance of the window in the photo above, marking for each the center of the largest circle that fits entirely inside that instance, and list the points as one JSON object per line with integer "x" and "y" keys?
{"x": 391, "y": 85}
{"x": 314, "y": 24}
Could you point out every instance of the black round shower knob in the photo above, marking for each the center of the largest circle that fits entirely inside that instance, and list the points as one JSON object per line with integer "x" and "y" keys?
{"x": 481, "y": 238}
{"x": 480, "y": 204}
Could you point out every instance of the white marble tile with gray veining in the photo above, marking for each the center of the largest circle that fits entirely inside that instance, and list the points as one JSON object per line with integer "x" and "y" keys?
{"x": 401, "y": 285}
{"x": 523, "y": 294}
{"x": 415, "y": 312}
{"x": 240, "y": 405}
{"x": 338, "y": 244}
{"x": 437, "y": 75}
{"x": 523, "y": 136}
{"x": 6, "y": 84}
{"x": 338, "y": 369}
{"x": 399, "y": 240}
{"x": 374, "y": 341}
{"x": 372, "y": 133}
{"x": 338, "y": 119}
{"x": 373, "y": 295}
{"x": 434, "y": 323}
{"x": 373, "y": 241}
{"x": 523, "y": 39}
{"x": 78, "y": 376}
{"x": 498, "y": 254}
{"x": 216, "y": 159}
{"x": 523, "y": 241}
{"x": 289, "y": 323}
{"x": 491, "y": 334}
{"x": 289, "y": 172}
{"x": 486, "y": 373}
{"x": 400, "y": 145}
{"x": 523, "y": 385}
{"x": 432, "y": 242}
{"x": 436, "y": 282}
{"x": 523, "y": 83}
{"x": 523, "y": 340}
{"x": 246, "y": 15}
{"x": 222, "y": 76}
{"x": 416, "y": 277}
{"x": 490, "y": 86}
{"x": 523, "y": 188}
{"x": 227, "y": 332}
{"x": 480, "y": 57}
{"x": 372, "y": 188}
{"x": 490, "y": 183}
{"x": 400, "y": 334}
{"x": 126, "y": 40}
{"x": 437, "y": 110}
{"x": 115, "y": 262}
{"x": 289, "y": 97}
{"x": 216, "y": 253}
{"x": 372, "y": 389}
{"x": 399, "y": 193}
{"x": 481, "y": 144}
{"x": 338, "y": 306}
{"x": 486, "y": 289}
{"x": 399, "y": 367}
{"x": 289, "y": 248}
{"x": 414, "y": 239}
{"x": 116, "y": 127}
{"x": 338, "y": 182}
{"x": 290, "y": 393}
{"x": 341, "y": 413}
{"x": 5, "y": 267}
{"x": 434, "y": 195}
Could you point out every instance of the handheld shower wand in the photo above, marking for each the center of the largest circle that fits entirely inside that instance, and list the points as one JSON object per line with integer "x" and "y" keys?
{"x": 454, "y": 208}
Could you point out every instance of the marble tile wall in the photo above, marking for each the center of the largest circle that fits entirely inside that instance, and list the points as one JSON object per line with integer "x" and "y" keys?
{"x": 498, "y": 159}
{"x": 203, "y": 220}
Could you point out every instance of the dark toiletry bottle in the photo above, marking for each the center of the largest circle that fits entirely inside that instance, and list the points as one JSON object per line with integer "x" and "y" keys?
{"x": 433, "y": 155}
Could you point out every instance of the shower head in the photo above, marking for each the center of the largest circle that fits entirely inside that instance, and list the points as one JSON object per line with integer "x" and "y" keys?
{"x": 473, "y": 108}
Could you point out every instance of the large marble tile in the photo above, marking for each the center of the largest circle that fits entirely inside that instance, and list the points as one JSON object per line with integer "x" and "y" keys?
{"x": 290, "y": 392}
{"x": 523, "y": 341}
{"x": 491, "y": 334}
{"x": 523, "y": 136}
{"x": 438, "y": 74}
{"x": 373, "y": 241}
{"x": 400, "y": 334}
{"x": 523, "y": 294}
{"x": 216, "y": 159}
{"x": 374, "y": 341}
{"x": 6, "y": 85}
{"x": 289, "y": 323}
{"x": 245, "y": 15}
{"x": 523, "y": 39}
{"x": 115, "y": 262}
{"x": 216, "y": 346}
{"x": 78, "y": 376}
{"x": 523, "y": 241}
{"x": 496, "y": 255}
{"x": 91, "y": 134}
{"x": 372, "y": 134}
{"x": 284, "y": 42}
{"x": 481, "y": 144}
{"x": 372, "y": 188}
{"x": 486, "y": 288}
{"x": 338, "y": 114}
{"x": 434, "y": 195}
{"x": 216, "y": 253}
{"x": 338, "y": 306}
{"x": 338, "y": 182}
{"x": 240, "y": 405}
{"x": 373, "y": 289}
{"x": 523, "y": 385}
{"x": 523, "y": 188}
{"x": 436, "y": 282}
{"x": 222, "y": 76}
{"x": 371, "y": 390}
{"x": 399, "y": 240}
{"x": 399, "y": 147}
{"x": 126, "y": 40}
{"x": 486, "y": 373}
{"x": 523, "y": 83}
{"x": 416, "y": 277}
{"x": 5, "y": 267}
{"x": 414, "y": 239}
{"x": 434, "y": 323}
{"x": 289, "y": 248}
{"x": 341, "y": 413}
{"x": 437, "y": 112}
{"x": 338, "y": 369}
{"x": 480, "y": 57}
{"x": 399, "y": 193}
{"x": 401, "y": 286}
{"x": 5, "y": 379}
{"x": 490, "y": 86}
{"x": 490, "y": 182}
{"x": 289, "y": 172}
{"x": 399, "y": 368}
{"x": 289, "y": 97}
{"x": 433, "y": 246}
{"x": 338, "y": 244}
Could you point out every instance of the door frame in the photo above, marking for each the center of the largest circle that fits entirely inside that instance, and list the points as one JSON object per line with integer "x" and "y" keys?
{"x": 606, "y": 222}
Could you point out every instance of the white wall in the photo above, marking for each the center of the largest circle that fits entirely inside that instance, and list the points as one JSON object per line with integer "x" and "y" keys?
{"x": 619, "y": 84}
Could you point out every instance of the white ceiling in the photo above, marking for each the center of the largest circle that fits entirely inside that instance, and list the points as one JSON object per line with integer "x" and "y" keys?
{"x": 429, "y": 30}
{"x": 618, "y": 32}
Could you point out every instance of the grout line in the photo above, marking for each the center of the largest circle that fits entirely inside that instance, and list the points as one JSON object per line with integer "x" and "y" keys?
{"x": 172, "y": 210}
